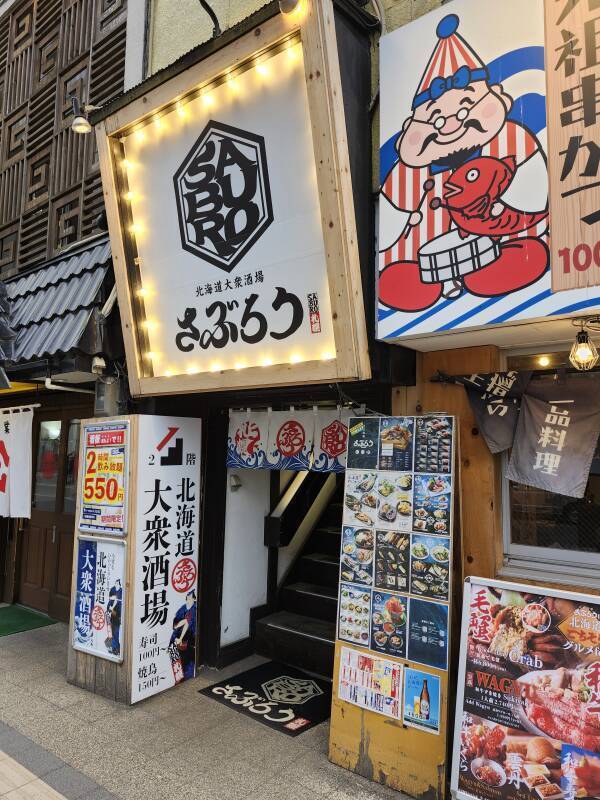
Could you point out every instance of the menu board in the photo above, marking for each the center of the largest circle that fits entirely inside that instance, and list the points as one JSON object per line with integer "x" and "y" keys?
{"x": 396, "y": 553}
{"x": 528, "y": 704}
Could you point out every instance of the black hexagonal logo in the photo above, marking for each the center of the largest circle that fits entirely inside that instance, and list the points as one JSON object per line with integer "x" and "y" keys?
{"x": 223, "y": 195}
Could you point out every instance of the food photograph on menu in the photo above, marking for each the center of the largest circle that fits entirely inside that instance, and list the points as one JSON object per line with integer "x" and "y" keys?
{"x": 531, "y": 711}
{"x": 392, "y": 560}
{"x": 394, "y": 495}
{"x": 433, "y": 444}
{"x": 357, "y": 555}
{"x": 361, "y": 502}
{"x": 396, "y": 437}
{"x": 388, "y": 624}
{"x": 432, "y": 499}
{"x": 354, "y": 614}
{"x": 429, "y": 566}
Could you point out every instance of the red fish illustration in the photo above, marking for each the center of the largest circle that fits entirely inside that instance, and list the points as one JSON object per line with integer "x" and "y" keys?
{"x": 472, "y": 196}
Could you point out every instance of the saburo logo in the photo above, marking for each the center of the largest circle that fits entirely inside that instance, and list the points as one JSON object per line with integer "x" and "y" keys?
{"x": 294, "y": 691}
{"x": 223, "y": 195}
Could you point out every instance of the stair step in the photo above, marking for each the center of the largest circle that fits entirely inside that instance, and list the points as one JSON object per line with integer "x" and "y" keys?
{"x": 295, "y": 639}
{"x": 326, "y": 539}
{"x": 333, "y": 515}
{"x": 318, "y": 568}
{"x": 310, "y": 600}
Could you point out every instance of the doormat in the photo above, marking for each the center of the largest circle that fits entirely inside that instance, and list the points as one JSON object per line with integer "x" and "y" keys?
{"x": 281, "y": 697}
{"x": 16, "y": 619}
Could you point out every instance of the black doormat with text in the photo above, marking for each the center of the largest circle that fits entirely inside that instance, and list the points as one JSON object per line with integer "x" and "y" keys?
{"x": 281, "y": 697}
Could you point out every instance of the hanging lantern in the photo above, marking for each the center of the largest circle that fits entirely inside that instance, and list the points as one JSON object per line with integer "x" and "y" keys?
{"x": 584, "y": 355}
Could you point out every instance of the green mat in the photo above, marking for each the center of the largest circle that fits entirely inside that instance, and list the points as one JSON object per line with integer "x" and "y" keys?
{"x": 16, "y": 619}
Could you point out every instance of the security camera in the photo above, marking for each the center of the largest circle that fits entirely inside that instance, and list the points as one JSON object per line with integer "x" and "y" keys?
{"x": 98, "y": 365}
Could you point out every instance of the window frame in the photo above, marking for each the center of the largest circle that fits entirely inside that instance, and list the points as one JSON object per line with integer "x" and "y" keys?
{"x": 575, "y": 567}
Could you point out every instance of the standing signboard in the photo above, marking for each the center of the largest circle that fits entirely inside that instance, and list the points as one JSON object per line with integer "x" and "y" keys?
{"x": 103, "y": 507}
{"x": 165, "y": 574}
{"x": 99, "y": 598}
{"x": 261, "y": 286}
{"x": 528, "y": 701}
{"x": 134, "y": 596}
{"x": 395, "y": 593}
{"x": 572, "y": 73}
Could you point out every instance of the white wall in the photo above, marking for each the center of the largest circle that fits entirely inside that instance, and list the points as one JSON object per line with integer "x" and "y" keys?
{"x": 245, "y": 559}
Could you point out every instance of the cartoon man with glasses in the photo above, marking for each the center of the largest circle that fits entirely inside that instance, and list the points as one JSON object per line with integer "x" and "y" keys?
{"x": 458, "y": 117}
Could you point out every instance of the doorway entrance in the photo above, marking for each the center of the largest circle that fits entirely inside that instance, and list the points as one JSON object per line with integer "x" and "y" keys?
{"x": 47, "y": 538}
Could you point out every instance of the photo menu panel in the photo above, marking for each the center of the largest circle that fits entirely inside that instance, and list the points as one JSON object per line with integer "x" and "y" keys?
{"x": 396, "y": 552}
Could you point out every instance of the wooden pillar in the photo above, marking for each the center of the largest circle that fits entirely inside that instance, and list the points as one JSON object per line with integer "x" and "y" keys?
{"x": 480, "y": 471}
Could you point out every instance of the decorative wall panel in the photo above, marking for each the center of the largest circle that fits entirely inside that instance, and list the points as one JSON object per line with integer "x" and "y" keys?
{"x": 50, "y": 190}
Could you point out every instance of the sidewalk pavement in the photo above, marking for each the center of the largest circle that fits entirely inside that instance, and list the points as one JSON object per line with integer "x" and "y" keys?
{"x": 177, "y": 744}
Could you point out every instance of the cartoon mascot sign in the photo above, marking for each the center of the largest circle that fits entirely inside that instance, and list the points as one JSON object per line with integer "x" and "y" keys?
{"x": 459, "y": 152}
{"x": 463, "y": 222}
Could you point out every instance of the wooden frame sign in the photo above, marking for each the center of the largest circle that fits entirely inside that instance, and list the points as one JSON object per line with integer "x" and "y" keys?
{"x": 572, "y": 73}
{"x": 231, "y": 217}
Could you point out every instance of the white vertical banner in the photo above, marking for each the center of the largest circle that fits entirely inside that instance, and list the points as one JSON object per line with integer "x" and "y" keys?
{"x": 165, "y": 582}
{"x": 15, "y": 463}
{"x": 291, "y": 435}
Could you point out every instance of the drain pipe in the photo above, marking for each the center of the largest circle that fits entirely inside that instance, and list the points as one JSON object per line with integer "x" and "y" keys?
{"x": 58, "y": 388}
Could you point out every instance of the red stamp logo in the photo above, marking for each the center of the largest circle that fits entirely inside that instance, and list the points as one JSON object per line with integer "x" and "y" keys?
{"x": 98, "y": 618}
{"x": 334, "y": 438}
{"x": 183, "y": 577}
{"x": 290, "y": 438}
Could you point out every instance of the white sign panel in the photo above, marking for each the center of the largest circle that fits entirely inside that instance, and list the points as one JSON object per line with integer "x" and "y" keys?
{"x": 166, "y": 554}
{"x": 226, "y": 219}
{"x": 463, "y": 232}
{"x": 99, "y": 601}
{"x": 15, "y": 464}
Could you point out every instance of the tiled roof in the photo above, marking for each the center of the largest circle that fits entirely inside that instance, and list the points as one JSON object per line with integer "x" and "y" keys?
{"x": 52, "y": 306}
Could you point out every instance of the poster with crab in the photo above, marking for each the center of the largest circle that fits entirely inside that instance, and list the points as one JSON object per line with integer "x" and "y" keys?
{"x": 528, "y": 706}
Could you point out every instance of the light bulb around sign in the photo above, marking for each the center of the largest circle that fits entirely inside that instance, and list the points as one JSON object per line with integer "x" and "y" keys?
{"x": 295, "y": 358}
{"x": 327, "y": 356}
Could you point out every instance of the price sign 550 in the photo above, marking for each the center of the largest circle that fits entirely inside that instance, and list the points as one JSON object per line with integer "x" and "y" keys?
{"x": 99, "y": 487}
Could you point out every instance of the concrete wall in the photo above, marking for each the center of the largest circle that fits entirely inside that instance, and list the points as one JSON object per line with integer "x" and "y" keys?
{"x": 177, "y": 27}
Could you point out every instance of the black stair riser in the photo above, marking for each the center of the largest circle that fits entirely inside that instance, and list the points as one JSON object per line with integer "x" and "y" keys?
{"x": 325, "y": 541}
{"x": 309, "y": 653}
{"x": 311, "y": 605}
{"x": 332, "y": 516}
{"x": 319, "y": 572}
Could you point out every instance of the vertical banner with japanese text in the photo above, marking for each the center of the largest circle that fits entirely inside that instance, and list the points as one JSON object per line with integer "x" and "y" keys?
{"x": 99, "y": 601}
{"x": 165, "y": 581}
{"x": 573, "y": 75}
{"x": 15, "y": 463}
{"x": 556, "y": 435}
{"x": 527, "y": 722}
{"x": 103, "y": 506}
